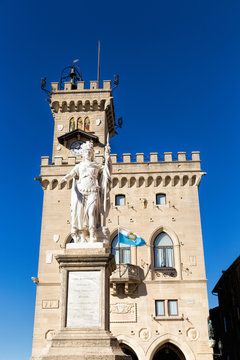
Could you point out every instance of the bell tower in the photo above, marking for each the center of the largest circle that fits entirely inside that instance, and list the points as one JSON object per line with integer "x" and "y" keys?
{"x": 80, "y": 114}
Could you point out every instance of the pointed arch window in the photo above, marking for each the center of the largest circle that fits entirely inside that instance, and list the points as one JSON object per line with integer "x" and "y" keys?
{"x": 87, "y": 124}
{"x": 72, "y": 124}
{"x": 80, "y": 123}
{"x": 163, "y": 251}
{"x": 121, "y": 252}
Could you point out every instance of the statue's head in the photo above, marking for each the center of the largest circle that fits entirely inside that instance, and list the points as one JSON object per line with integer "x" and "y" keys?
{"x": 87, "y": 151}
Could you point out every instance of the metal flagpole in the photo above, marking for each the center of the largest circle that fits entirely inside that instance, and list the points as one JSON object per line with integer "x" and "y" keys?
{"x": 98, "y": 69}
{"x": 119, "y": 250}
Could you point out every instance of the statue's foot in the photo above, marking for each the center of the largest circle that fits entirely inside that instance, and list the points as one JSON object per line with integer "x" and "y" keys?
{"x": 82, "y": 239}
{"x": 92, "y": 237}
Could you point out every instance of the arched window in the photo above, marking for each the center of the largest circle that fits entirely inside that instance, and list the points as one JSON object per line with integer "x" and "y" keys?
{"x": 160, "y": 199}
{"x": 121, "y": 252}
{"x": 64, "y": 106}
{"x": 119, "y": 200}
{"x": 72, "y": 124}
{"x": 87, "y": 124}
{"x": 163, "y": 251}
{"x": 80, "y": 123}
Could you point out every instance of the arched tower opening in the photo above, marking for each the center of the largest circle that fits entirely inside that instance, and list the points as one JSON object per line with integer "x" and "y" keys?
{"x": 168, "y": 351}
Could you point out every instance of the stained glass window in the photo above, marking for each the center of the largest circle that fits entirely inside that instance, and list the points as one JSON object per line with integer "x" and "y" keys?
{"x": 72, "y": 124}
{"x": 80, "y": 123}
{"x": 87, "y": 124}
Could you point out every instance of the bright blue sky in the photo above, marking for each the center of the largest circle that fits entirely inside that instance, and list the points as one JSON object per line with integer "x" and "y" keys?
{"x": 179, "y": 90}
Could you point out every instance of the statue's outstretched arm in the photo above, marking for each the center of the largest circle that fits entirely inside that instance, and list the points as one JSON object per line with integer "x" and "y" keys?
{"x": 70, "y": 175}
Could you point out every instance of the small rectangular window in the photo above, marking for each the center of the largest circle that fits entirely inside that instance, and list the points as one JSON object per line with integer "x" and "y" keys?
{"x": 159, "y": 308}
{"x": 120, "y": 200}
{"x": 161, "y": 199}
{"x": 173, "y": 307}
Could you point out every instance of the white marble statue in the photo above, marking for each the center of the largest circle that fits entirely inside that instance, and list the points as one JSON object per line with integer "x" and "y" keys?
{"x": 90, "y": 195}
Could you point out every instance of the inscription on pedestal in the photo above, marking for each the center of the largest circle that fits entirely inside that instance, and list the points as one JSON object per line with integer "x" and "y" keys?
{"x": 83, "y": 305}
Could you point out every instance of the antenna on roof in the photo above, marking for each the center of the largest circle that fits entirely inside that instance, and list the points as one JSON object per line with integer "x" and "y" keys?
{"x": 98, "y": 69}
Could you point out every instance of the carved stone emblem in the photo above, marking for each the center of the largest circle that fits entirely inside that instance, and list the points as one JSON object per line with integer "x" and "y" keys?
{"x": 192, "y": 334}
{"x": 56, "y": 237}
{"x": 145, "y": 334}
{"x": 60, "y": 127}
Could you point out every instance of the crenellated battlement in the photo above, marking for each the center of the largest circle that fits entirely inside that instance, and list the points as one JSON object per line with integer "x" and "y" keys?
{"x": 94, "y": 86}
{"x": 81, "y": 99}
{"x": 131, "y": 171}
{"x": 129, "y": 158}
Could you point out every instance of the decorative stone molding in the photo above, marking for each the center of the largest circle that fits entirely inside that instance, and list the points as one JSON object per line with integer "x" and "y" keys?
{"x": 49, "y": 334}
{"x": 165, "y": 272}
{"x": 123, "y": 313}
{"x": 125, "y": 279}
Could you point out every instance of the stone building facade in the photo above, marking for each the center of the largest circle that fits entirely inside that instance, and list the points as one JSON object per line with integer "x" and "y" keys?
{"x": 159, "y": 306}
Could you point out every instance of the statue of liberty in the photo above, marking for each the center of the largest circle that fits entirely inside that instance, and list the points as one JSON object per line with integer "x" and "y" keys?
{"x": 90, "y": 194}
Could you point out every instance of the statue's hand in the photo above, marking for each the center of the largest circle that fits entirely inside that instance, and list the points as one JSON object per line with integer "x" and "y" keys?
{"x": 107, "y": 152}
{"x": 63, "y": 180}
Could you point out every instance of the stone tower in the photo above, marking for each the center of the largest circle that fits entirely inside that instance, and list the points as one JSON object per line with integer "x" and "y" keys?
{"x": 158, "y": 301}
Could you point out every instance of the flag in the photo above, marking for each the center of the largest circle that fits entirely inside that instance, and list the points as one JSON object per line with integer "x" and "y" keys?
{"x": 129, "y": 238}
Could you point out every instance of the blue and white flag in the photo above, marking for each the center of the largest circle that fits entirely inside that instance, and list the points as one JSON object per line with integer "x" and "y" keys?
{"x": 129, "y": 238}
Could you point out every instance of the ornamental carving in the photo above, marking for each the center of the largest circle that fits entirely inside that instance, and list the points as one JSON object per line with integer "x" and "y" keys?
{"x": 49, "y": 334}
{"x": 50, "y": 304}
{"x": 192, "y": 334}
{"x": 145, "y": 334}
{"x": 123, "y": 312}
{"x": 122, "y": 308}
{"x": 165, "y": 272}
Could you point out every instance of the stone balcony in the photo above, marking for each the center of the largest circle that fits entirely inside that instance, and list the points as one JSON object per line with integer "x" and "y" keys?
{"x": 125, "y": 279}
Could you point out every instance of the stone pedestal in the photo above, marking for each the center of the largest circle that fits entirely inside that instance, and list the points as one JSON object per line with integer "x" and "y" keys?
{"x": 84, "y": 332}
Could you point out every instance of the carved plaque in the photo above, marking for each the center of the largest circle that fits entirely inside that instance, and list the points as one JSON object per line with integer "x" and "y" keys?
{"x": 83, "y": 305}
{"x": 123, "y": 312}
{"x": 50, "y": 304}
